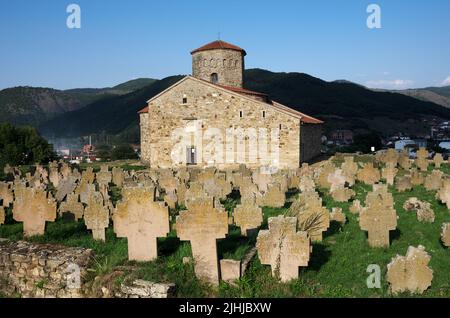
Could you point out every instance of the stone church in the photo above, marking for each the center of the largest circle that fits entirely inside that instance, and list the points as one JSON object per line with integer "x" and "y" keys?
{"x": 210, "y": 119}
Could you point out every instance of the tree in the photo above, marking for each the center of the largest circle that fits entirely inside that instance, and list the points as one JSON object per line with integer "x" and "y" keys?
{"x": 122, "y": 152}
{"x": 23, "y": 146}
{"x": 364, "y": 142}
{"x": 103, "y": 152}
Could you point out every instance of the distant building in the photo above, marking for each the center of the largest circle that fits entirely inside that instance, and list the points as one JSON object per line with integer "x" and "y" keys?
{"x": 342, "y": 136}
{"x": 410, "y": 143}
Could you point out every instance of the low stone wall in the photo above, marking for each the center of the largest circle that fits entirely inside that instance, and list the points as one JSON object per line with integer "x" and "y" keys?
{"x": 42, "y": 270}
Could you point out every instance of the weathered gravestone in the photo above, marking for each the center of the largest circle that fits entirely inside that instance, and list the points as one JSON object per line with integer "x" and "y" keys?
{"x": 84, "y": 190}
{"x": 445, "y": 234}
{"x": 378, "y": 218}
{"x": 33, "y": 207}
{"x": 247, "y": 216}
{"x": 73, "y": 206}
{"x": 2, "y": 215}
{"x": 342, "y": 194}
{"x": 403, "y": 184}
{"x": 55, "y": 176}
{"x": 368, "y": 174}
{"x": 96, "y": 216}
{"x": 390, "y": 157}
{"x": 404, "y": 161}
{"x": 202, "y": 225}
{"x": 141, "y": 220}
{"x": 274, "y": 197}
{"x": 350, "y": 169}
{"x": 306, "y": 183}
{"x": 6, "y": 194}
{"x": 104, "y": 176}
{"x": 434, "y": 180}
{"x": 117, "y": 176}
{"x": 438, "y": 160}
{"x": 283, "y": 248}
{"x": 389, "y": 172}
{"x": 65, "y": 187}
{"x": 356, "y": 207}
{"x": 423, "y": 209}
{"x": 338, "y": 216}
{"x": 336, "y": 180}
{"x": 422, "y": 159}
{"x": 443, "y": 194}
{"x": 411, "y": 272}
{"x": 417, "y": 177}
{"x": 322, "y": 178}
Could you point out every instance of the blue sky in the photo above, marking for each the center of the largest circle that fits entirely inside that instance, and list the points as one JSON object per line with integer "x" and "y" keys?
{"x": 121, "y": 40}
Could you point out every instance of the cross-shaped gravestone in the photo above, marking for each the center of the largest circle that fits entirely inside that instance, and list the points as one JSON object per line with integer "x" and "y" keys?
{"x": 65, "y": 170}
{"x": 336, "y": 180}
{"x": 350, "y": 169}
{"x": 96, "y": 216}
{"x": 33, "y": 207}
{"x": 54, "y": 176}
{"x": 390, "y": 157}
{"x": 368, "y": 174}
{"x": 203, "y": 224}
{"x": 65, "y": 187}
{"x": 73, "y": 206}
{"x": 88, "y": 175}
{"x": 404, "y": 161}
{"x": 389, "y": 173}
{"x": 85, "y": 189}
{"x": 443, "y": 193}
{"x": 403, "y": 184}
{"x": 142, "y": 220}
{"x": 322, "y": 179}
{"x": 247, "y": 216}
{"x": 378, "y": 219}
{"x": 422, "y": 159}
{"x": 438, "y": 160}
{"x": 103, "y": 177}
{"x": 356, "y": 207}
{"x": 117, "y": 176}
{"x": 434, "y": 180}
{"x": 417, "y": 177}
{"x": 411, "y": 272}
{"x": 283, "y": 248}
{"x": 338, "y": 216}
{"x": 274, "y": 197}
{"x": 6, "y": 194}
{"x": 445, "y": 234}
{"x": 342, "y": 194}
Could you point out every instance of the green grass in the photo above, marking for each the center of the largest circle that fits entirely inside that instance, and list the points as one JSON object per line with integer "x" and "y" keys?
{"x": 337, "y": 266}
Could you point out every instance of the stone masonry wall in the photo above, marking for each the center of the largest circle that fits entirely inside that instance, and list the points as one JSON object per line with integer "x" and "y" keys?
{"x": 42, "y": 270}
{"x": 211, "y": 107}
{"x": 227, "y": 64}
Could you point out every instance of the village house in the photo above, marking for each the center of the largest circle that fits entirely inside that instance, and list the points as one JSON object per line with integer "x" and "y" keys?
{"x": 209, "y": 118}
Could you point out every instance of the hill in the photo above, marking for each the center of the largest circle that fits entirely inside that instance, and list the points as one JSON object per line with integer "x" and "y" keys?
{"x": 34, "y": 105}
{"x": 437, "y": 95}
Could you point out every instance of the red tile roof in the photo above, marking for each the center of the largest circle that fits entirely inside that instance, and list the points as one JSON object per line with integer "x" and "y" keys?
{"x": 219, "y": 45}
{"x": 143, "y": 110}
{"x": 241, "y": 90}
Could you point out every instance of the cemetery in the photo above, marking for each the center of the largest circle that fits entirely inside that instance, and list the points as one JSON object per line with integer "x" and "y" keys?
{"x": 128, "y": 231}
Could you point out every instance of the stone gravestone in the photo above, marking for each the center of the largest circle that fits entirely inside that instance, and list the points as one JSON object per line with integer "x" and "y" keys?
{"x": 350, "y": 169}
{"x": 403, "y": 184}
{"x": 85, "y": 189}
{"x": 423, "y": 209}
{"x": 2, "y": 215}
{"x": 389, "y": 172}
{"x": 445, "y": 234}
{"x": 368, "y": 174}
{"x": 33, "y": 207}
{"x": 6, "y": 194}
{"x": 96, "y": 216}
{"x": 404, "y": 161}
{"x": 65, "y": 187}
{"x": 247, "y": 216}
{"x": 338, "y": 216}
{"x": 274, "y": 197}
{"x": 117, "y": 176}
{"x": 443, "y": 194}
{"x": 378, "y": 219}
{"x": 422, "y": 159}
{"x": 434, "y": 180}
{"x": 88, "y": 175}
{"x": 54, "y": 176}
{"x": 438, "y": 160}
{"x": 283, "y": 248}
{"x": 141, "y": 220}
{"x": 356, "y": 207}
{"x": 322, "y": 178}
{"x": 411, "y": 272}
{"x": 73, "y": 206}
{"x": 104, "y": 176}
{"x": 336, "y": 180}
{"x": 417, "y": 177}
{"x": 390, "y": 157}
{"x": 342, "y": 194}
{"x": 202, "y": 225}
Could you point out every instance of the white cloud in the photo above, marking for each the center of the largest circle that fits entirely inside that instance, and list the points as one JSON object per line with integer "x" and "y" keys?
{"x": 389, "y": 84}
{"x": 446, "y": 82}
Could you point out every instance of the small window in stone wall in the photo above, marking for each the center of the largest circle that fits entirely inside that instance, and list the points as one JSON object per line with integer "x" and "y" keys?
{"x": 264, "y": 114}
{"x": 280, "y": 126}
{"x": 241, "y": 114}
{"x": 184, "y": 99}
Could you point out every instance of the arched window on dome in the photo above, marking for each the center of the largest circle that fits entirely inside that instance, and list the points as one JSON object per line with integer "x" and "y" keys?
{"x": 214, "y": 78}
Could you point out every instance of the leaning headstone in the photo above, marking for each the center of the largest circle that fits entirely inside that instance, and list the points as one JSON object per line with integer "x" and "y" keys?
{"x": 85, "y": 189}
{"x": 247, "y": 216}
{"x": 422, "y": 159}
{"x": 368, "y": 174}
{"x": 202, "y": 225}
{"x": 73, "y": 206}
{"x": 96, "y": 216}
{"x": 438, "y": 160}
{"x": 6, "y": 194}
{"x": 34, "y": 207}
{"x": 283, "y": 248}
{"x": 378, "y": 219}
{"x": 65, "y": 187}
{"x": 411, "y": 272}
{"x": 434, "y": 180}
{"x": 445, "y": 234}
{"x": 443, "y": 194}
{"x": 141, "y": 220}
